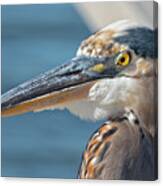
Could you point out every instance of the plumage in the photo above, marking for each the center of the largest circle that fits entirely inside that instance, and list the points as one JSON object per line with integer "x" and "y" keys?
{"x": 119, "y": 150}
{"x": 137, "y": 38}
{"x": 112, "y": 77}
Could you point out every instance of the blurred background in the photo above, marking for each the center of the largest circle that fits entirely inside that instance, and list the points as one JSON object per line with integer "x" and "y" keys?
{"x": 36, "y": 38}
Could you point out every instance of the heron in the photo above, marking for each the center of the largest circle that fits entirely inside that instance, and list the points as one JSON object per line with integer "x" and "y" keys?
{"x": 113, "y": 77}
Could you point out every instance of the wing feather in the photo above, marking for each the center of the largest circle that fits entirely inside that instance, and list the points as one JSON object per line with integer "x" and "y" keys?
{"x": 118, "y": 150}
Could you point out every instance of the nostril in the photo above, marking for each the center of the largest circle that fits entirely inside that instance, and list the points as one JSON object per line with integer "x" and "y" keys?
{"x": 70, "y": 73}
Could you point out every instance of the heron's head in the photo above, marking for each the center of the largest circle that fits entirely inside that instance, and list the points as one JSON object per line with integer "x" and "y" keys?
{"x": 108, "y": 69}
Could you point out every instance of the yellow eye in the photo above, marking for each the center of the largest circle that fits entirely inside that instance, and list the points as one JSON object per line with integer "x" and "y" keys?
{"x": 123, "y": 59}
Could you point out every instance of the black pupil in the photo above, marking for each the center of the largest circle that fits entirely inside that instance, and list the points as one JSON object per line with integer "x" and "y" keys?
{"x": 123, "y": 59}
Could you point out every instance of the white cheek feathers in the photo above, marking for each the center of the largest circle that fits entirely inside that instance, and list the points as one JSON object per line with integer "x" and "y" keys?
{"x": 105, "y": 97}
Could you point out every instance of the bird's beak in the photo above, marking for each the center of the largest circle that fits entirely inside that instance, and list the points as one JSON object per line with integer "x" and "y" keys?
{"x": 55, "y": 88}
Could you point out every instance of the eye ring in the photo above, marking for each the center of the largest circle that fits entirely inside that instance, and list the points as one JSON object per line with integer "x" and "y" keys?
{"x": 123, "y": 59}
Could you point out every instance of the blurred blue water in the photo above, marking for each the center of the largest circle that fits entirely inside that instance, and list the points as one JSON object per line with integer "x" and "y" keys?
{"x": 36, "y": 38}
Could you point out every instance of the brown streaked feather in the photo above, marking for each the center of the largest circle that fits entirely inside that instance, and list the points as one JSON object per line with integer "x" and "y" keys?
{"x": 120, "y": 142}
{"x": 101, "y": 44}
